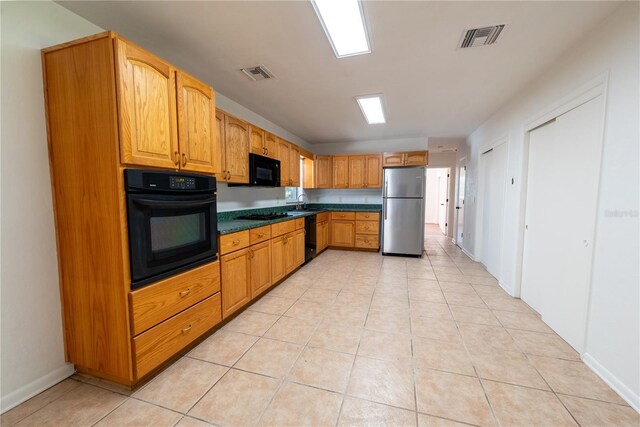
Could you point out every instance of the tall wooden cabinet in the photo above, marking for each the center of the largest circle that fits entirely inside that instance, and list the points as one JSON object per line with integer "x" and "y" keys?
{"x": 110, "y": 105}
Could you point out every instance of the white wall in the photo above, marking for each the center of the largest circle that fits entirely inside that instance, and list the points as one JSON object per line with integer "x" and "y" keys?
{"x": 32, "y": 350}
{"x": 613, "y": 333}
{"x": 366, "y": 196}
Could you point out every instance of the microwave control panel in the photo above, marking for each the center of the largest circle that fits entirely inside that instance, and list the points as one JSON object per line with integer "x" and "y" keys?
{"x": 182, "y": 183}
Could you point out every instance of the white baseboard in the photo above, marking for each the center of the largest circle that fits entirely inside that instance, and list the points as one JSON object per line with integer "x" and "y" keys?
{"x": 469, "y": 254}
{"x": 26, "y": 392}
{"x": 508, "y": 289}
{"x": 625, "y": 392}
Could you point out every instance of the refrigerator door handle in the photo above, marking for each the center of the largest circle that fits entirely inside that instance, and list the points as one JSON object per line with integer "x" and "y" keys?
{"x": 384, "y": 208}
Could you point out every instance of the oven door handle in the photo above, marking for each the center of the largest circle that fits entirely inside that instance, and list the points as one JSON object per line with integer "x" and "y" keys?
{"x": 174, "y": 204}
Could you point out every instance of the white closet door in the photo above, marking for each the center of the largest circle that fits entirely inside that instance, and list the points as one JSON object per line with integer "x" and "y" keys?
{"x": 462, "y": 173}
{"x": 562, "y": 190}
{"x": 494, "y": 170}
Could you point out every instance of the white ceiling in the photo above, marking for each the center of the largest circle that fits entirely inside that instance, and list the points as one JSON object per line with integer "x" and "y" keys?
{"x": 430, "y": 87}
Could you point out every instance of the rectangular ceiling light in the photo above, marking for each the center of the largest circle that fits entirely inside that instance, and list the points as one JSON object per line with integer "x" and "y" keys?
{"x": 371, "y": 106}
{"x": 343, "y": 21}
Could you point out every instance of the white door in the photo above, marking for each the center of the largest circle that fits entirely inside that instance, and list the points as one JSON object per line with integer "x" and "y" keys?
{"x": 494, "y": 164}
{"x": 562, "y": 190}
{"x": 462, "y": 172}
{"x": 443, "y": 194}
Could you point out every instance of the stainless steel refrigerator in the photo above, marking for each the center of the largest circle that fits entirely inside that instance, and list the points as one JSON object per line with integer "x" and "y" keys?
{"x": 403, "y": 211}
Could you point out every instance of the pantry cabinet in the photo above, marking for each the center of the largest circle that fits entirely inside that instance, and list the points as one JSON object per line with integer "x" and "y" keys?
{"x": 196, "y": 124}
{"x": 147, "y": 121}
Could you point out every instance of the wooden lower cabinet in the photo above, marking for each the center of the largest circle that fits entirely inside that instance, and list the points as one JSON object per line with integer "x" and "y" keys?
{"x": 153, "y": 347}
{"x": 366, "y": 241}
{"x": 260, "y": 261}
{"x": 235, "y": 276}
{"x": 289, "y": 252}
{"x": 277, "y": 259}
{"x": 342, "y": 233}
{"x": 299, "y": 248}
{"x": 322, "y": 236}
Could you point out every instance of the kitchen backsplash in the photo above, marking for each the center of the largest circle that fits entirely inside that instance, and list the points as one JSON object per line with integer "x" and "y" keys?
{"x": 360, "y": 196}
{"x": 236, "y": 198}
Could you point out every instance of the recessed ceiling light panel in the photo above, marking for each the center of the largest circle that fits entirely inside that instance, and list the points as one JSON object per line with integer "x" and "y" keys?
{"x": 371, "y": 106}
{"x": 343, "y": 22}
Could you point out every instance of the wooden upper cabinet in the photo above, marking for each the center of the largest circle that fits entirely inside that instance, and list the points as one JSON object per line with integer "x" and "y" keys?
{"x": 340, "y": 166}
{"x": 236, "y": 150}
{"x": 284, "y": 155}
{"x": 410, "y": 158}
{"x": 294, "y": 165}
{"x": 218, "y": 162}
{"x": 357, "y": 175}
{"x": 270, "y": 145}
{"x": 256, "y": 140}
{"x": 147, "y": 108}
{"x": 373, "y": 171}
{"x": 416, "y": 158}
{"x": 322, "y": 171}
{"x": 393, "y": 159}
{"x": 196, "y": 124}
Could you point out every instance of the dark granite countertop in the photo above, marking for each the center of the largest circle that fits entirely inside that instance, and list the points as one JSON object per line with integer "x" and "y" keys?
{"x": 228, "y": 222}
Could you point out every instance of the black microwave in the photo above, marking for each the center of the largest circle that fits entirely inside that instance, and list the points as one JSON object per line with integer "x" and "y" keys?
{"x": 263, "y": 172}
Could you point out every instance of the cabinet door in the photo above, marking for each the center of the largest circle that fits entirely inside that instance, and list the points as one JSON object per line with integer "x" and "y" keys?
{"x": 416, "y": 158}
{"x": 294, "y": 165}
{"x": 357, "y": 176}
{"x": 343, "y": 233}
{"x": 340, "y": 166}
{"x": 236, "y": 289}
{"x": 392, "y": 159}
{"x": 147, "y": 108}
{"x": 325, "y": 235}
{"x": 196, "y": 124}
{"x": 373, "y": 169}
{"x": 299, "y": 248}
{"x": 256, "y": 140}
{"x": 319, "y": 236}
{"x": 260, "y": 267}
{"x": 236, "y": 150}
{"x": 218, "y": 163}
{"x": 277, "y": 259}
{"x": 270, "y": 145}
{"x": 322, "y": 171}
{"x": 289, "y": 252}
{"x": 284, "y": 155}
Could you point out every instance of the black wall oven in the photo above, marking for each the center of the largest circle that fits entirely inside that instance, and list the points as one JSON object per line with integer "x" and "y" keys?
{"x": 172, "y": 223}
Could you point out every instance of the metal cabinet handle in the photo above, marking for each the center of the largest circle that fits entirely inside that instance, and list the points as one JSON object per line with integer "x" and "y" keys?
{"x": 260, "y": 235}
{"x": 236, "y": 242}
{"x": 187, "y": 329}
{"x": 176, "y": 156}
{"x": 184, "y": 159}
{"x": 185, "y": 292}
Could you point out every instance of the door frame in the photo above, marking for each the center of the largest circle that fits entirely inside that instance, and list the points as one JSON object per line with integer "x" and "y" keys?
{"x": 461, "y": 163}
{"x": 481, "y": 186}
{"x": 448, "y": 227}
{"x": 597, "y": 87}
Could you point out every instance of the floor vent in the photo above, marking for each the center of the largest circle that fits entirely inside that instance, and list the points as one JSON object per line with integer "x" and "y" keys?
{"x": 481, "y": 36}
{"x": 259, "y": 72}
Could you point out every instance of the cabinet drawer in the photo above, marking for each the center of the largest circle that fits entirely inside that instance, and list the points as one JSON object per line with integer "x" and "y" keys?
{"x": 367, "y": 241}
{"x": 299, "y": 223}
{"x": 156, "y": 303}
{"x": 234, "y": 241}
{"x": 158, "y": 344}
{"x": 281, "y": 228}
{"x": 324, "y": 216}
{"x": 343, "y": 215}
{"x": 367, "y": 216}
{"x": 260, "y": 234}
{"x": 367, "y": 227}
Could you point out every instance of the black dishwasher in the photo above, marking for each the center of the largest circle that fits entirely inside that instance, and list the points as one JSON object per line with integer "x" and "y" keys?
{"x": 309, "y": 238}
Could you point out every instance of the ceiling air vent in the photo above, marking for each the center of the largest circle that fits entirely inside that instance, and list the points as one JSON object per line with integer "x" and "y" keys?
{"x": 481, "y": 36}
{"x": 259, "y": 72}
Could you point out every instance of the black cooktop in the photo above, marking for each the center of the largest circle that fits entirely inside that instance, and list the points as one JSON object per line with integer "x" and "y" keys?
{"x": 262, "y": 217}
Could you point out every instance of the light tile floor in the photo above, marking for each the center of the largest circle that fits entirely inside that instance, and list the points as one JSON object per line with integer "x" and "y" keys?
{"x": 359, "y": 339}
